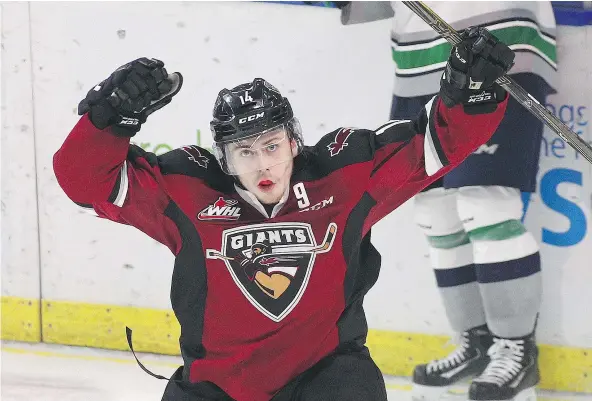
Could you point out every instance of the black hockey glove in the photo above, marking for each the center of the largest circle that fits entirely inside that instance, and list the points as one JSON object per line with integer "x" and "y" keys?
{"x": 133, "y": 92}
{"x": 472, "y": 68}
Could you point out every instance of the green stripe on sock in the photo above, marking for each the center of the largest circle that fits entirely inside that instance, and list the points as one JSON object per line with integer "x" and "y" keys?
{"x": 498, "y": 232}
{"x": 449, "y": 241}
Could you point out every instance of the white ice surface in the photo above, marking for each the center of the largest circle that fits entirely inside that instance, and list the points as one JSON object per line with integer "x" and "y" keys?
{"x": 43, "y": 372}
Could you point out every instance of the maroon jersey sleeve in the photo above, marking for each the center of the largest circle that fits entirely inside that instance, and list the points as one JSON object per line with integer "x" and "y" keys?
{"x": 410, "y": 155}
{"x": 103, "y": 173}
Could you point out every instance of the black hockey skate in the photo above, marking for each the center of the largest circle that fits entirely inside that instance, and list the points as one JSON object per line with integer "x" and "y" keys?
{"x": 512, "y": 374}
{"x": 468, "y": 360}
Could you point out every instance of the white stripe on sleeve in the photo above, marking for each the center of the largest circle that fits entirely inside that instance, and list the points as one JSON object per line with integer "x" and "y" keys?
{"x": 123, "y": 186}
{"x": 432, "y": 160}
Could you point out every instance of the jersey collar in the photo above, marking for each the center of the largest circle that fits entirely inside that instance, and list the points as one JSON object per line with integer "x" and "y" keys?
{"x": 253, "y": 201}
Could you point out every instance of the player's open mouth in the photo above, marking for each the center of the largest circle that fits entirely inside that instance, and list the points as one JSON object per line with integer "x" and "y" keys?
{"x": 266, "y": 185}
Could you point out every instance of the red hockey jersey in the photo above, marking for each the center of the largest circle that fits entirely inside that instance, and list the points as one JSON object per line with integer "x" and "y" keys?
{"x": 262, "y": 298}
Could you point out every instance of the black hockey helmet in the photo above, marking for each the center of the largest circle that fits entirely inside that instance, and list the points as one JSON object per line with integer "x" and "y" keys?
{"x": 248, "y": 111}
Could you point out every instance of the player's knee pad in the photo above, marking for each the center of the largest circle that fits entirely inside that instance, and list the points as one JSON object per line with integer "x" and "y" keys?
{"x": 487, "y": 206}
{"x": 491, "y": 217}
{"x": 437, "y": 216}
{"x": 436, "y": 212}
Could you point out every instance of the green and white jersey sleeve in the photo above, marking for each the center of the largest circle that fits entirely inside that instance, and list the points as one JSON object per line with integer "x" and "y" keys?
{"x": 420, "y": 54}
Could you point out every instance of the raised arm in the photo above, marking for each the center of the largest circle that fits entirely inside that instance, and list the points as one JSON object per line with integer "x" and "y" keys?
{"x": 463, "y": 116}
{"x": 98, "y": 168}
{"x": 402, "y": 157}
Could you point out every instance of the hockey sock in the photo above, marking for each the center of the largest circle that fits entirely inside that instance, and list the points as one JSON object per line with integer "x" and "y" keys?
{"x": 452, "y": 259}
{"x": 508, "y": 269}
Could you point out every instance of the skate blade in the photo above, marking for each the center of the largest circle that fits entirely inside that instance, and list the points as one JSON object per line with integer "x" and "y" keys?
{"x": 528, "y": 394}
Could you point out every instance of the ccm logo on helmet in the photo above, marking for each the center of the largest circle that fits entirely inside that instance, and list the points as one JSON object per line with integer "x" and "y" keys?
{"x": 251, "y": 118}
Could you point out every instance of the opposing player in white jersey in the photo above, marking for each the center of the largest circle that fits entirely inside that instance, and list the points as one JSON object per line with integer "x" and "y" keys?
{"x": 486, "y": 264}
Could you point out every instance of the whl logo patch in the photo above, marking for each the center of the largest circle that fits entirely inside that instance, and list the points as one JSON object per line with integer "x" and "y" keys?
{"x": 272, "y": 263}
{"x": 340, "y": 141}
{"x": 222, "y": 209}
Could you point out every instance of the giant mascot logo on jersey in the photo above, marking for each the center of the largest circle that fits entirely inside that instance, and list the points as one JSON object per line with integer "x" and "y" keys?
{"x": 271, "y": 263}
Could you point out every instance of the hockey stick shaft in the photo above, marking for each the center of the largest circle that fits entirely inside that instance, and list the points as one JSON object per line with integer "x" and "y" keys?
{"x": 211, "y": 254}
{"x": 515, "y": 90}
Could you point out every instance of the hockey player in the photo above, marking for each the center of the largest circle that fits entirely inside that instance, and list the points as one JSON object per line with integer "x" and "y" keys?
{"x": 262, "y": 194}
{"x": 486, "y": 263}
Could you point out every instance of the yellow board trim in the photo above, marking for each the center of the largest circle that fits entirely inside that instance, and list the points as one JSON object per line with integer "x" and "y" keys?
{"x": 21, "y": 319}
{"x": 103, "y": 326}
{"x": 156, "y": 330}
